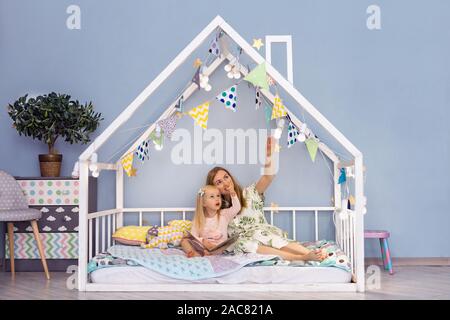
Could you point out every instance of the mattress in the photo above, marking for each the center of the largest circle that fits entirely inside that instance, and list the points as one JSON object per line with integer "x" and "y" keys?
{"x": 256, "y": 275}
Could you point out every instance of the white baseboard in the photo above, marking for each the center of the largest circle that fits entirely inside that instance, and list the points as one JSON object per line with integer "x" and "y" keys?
{"x": 439, "y": 261}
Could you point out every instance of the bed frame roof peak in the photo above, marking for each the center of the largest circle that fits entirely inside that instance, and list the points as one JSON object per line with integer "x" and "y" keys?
{"x": 217, "y": 22}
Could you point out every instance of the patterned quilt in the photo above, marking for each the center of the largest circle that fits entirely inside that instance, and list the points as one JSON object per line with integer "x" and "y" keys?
{"x": 336, "y": 258}
{"x": 174, "y": 263}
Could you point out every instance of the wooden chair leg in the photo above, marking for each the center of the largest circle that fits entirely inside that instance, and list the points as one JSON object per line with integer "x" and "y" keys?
{"x": 11, "y": 246}
{"x": 40, "y": 248}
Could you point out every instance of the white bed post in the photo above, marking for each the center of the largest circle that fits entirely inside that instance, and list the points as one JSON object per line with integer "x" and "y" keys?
{"x": 337, "y": 200}
{"x": 359, "y": 224}
{"x": 119, "y": 194}
{"x": 83, "y": 225}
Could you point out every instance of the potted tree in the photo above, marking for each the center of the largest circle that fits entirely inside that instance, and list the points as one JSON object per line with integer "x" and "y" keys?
{"x": 50, "y": 117}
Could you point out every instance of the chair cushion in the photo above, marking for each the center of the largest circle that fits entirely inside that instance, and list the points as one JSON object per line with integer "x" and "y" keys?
{"x": 20, "y": 215}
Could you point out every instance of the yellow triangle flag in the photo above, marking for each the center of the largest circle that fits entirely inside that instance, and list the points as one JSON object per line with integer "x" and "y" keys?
{"x": 127, "y": 163}
{"x": 200, "y": 114}
{"x": 278, "y": 109}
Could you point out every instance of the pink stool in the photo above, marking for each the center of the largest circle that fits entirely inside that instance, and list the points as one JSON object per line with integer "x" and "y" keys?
{"x": 386, "y": 254}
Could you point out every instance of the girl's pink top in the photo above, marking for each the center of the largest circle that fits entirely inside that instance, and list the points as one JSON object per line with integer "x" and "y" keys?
{"x": 215, "y": 228}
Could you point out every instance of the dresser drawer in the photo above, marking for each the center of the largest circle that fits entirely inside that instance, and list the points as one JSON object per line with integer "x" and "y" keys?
{"x": 51, "y": 192}
{"x": 54, "y": 219}
{"x": 56, "y": 246}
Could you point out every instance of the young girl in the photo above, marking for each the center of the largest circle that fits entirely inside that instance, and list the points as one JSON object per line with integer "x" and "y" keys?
{"x": 210, "y": 223}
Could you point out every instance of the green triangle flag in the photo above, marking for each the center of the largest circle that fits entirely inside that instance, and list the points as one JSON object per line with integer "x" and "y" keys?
{"x": 258, "y": 77}
{"x": 312, "y": 145}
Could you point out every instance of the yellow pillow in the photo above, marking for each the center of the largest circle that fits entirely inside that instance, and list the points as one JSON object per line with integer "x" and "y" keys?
{"x": 132, "y": 235}
{"x": 182, "y": 225}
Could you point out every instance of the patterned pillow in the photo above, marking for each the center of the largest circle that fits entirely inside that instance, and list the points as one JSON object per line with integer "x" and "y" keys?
{"x": 166, "y": 235}
{"x": 131, "y": 235}
{"x": 183, "y": 225}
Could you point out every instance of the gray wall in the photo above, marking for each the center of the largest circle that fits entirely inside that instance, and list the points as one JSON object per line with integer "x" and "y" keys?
{"x": 386, "y": 90}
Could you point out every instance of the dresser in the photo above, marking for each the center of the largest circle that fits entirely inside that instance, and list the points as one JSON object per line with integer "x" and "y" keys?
{"x": 58, "y": 200}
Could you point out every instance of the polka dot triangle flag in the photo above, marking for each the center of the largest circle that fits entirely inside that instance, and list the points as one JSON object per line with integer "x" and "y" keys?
{"x": 229, "y": 98}
{"x": 142, "y": 151}
{"x": 292, "y": 134}
{"x": 278, "y": 109}
{"x": 214, "y": 48}
{"x": 200, "y": 114}
{"x": 168, "y": 125}
{"x": 127, "y": 163}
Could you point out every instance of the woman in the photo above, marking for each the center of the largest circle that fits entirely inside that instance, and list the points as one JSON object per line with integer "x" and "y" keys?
{"x": 255, "y": 234}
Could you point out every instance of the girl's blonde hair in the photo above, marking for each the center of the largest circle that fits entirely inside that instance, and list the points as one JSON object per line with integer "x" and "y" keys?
{"x": 199, "y": 216}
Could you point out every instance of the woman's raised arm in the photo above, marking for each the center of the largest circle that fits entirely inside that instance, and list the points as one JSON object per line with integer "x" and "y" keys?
{"x": 269, "y": 174}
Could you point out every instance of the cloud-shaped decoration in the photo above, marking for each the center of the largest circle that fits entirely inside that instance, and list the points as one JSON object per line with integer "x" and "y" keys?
{"x": 62, "y": 228}
{"x": 60, "y": 209}
{"x": 75, "y": 209}
{"x": 47, "y": 228}
{"x": 76, "y": 228}
{"x": 51, "y": 218}
{"x": 16, "y": 229}
{"x": 67, "y": 218}
{"x": 29, "y": 228}
{"x": 44, "y": 210}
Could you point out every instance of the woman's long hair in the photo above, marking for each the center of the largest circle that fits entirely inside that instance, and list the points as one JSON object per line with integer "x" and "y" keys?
{"x": 237, "y": 187}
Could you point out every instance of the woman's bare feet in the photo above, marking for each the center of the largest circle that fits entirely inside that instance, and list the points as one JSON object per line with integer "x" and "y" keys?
{"x": 311, "y": 256}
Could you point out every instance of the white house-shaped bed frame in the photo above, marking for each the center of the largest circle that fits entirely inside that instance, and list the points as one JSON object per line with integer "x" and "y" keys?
{"x": 95, "y": 229}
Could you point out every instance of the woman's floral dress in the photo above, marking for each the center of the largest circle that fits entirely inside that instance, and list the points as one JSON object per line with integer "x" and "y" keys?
{"x": 251, "y": 225}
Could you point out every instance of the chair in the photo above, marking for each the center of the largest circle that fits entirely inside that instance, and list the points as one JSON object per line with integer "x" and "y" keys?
{"x": 14, "y": 208}
{"x": 383, "y": 236}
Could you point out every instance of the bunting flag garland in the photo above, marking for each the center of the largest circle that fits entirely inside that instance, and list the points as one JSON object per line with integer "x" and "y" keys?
{"x": 312, "y": 145}
{"x": 127, "y": 164}
{"x": 200, "y": 114}
{"x": 292, "y": 134}
{"x": 258, "y": 99}
{"x": 142, "y": 151}
{"x": 168, "y": 125}
{"x": 342, "y": 176}
{"x": 179, "y": 105}
{"x": 278, "y": 110}
{"x": 258, "y": 77}
{"x": 229, "y": 98}
{"x": 196, "y": 78}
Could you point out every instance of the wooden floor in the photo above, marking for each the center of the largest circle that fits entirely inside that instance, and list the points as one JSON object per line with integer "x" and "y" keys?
{"x": 409, "y": 282}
